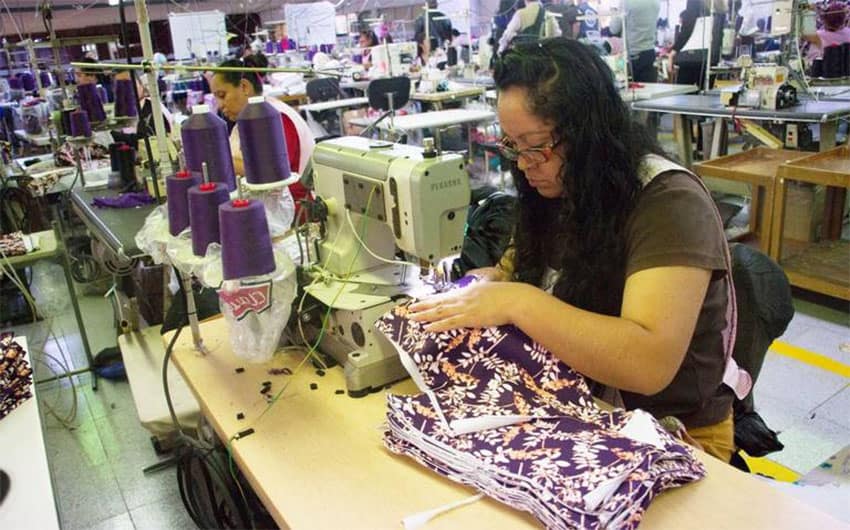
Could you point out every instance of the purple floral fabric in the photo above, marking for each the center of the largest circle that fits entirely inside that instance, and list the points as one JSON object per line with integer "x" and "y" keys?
{"x": 502, "y": 414}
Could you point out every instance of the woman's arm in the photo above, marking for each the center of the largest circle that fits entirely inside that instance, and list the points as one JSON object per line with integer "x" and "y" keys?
{"x": 640, "y": 351}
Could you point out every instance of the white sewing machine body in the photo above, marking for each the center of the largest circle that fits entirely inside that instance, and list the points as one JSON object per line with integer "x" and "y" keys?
{"x": 397, "y": 198}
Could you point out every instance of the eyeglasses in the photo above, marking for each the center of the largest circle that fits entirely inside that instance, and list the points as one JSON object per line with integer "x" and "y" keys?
{"x": 532, "y": 156}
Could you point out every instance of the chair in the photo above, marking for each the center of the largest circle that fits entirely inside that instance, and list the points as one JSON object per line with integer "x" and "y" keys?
{"x": 324, "y": 89}
{"x": 387, "y": 94}
{"x": 765, "y": 308}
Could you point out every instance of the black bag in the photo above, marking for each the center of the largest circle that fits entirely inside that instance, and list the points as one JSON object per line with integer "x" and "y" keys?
{"x": 765, "y": 308}
{"x": 489, "y": 227}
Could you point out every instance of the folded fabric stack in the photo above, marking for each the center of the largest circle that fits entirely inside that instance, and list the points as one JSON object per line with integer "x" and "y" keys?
{"x": 15, "y": 375}
{"x": 502, "y": 414}
{"x": 14, "y": 244}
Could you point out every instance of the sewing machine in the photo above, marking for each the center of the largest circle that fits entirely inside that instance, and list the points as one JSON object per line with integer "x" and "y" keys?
{"x": 393, "y": 59}
{"x": 397, "y": 198}
{"x": 765, "y": 86}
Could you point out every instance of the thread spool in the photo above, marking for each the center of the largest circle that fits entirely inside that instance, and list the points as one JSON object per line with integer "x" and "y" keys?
{"x": 205, "y": 139}
{"x": 27, "y": 81}
{"x": 45, "y": 78}
{"x": 80, "y": 126}
{"x": 125, "y": 99}
{"x": 90, "y": 102}
{"x": 246, "y": 246}
{"x": 102, "y": 94}
{"x": 15, "y": 83}
{"x": 204, "y": 200}
{"x": 177, "y": 188}
{"x": 263, "y": 144}
{"x": 66, "y": 121}
{"x": 114, "y": 160}
{"x": 817, "y": 68}
{"x": 126, "y": 164}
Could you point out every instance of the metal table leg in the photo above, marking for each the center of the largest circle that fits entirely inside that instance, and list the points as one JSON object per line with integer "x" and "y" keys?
{"x": 66, "y": 268}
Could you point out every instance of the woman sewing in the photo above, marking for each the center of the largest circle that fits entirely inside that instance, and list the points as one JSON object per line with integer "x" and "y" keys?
{"x": 232, "y": 90}
{"x": 366, "y": 41}
{"x": 624, "y": 282}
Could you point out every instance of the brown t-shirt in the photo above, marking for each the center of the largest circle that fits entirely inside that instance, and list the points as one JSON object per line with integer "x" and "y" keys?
{"x": 675, "y": 224}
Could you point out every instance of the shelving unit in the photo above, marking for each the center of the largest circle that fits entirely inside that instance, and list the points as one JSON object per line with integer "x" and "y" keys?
{"x": 756, "y": 167}
{"x": 824, "y": 266}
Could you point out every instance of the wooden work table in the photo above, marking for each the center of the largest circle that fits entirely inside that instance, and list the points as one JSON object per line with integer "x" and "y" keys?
{"x": 316, "y": 458}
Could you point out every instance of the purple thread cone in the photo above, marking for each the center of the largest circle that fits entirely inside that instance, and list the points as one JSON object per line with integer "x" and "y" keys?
{"x": 263, "y": 145}
{"x": 15, "y": 83}
{"x": 80, "y": 125}
{"x": 90, "y": 102}
{"x": 204, "y": 200}
{"x": 46, "y": 79}
{"x": 28, "y": 81}
{"x": 125, "y": 99}
{"x": 177, "y": 188}
{"x": 205, "y": 139}
{"x": 246, "y": 246}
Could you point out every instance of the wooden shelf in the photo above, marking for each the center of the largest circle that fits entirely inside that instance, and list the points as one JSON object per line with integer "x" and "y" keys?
{"x": 757, "y": 167}
{"x": 822, "y": 267}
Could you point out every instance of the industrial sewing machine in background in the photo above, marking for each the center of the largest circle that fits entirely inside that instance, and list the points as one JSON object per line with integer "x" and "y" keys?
{"x": 376, "y": 200}
{"x": 763, "y": 86}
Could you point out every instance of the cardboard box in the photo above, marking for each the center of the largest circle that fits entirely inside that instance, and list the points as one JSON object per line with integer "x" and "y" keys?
{"x": 804, "y": 207}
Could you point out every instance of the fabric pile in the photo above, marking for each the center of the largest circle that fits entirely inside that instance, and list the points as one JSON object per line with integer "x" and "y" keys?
{"x": 502, "y": 414}
{"x": 15, "y": 375}
{"x": 15, "y": 244}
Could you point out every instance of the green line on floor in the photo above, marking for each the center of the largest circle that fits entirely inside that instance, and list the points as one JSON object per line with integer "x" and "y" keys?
{"x": 809, "y": 357}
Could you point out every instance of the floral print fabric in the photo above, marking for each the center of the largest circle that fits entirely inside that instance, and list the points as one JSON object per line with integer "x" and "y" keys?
{"x": 504, "y": 415}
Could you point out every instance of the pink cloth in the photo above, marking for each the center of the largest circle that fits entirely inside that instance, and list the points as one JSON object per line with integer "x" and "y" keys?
{"x": 829, "y": 38}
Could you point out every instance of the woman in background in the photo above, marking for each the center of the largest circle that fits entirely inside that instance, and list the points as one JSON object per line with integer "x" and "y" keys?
{"x": 232, "y": 90}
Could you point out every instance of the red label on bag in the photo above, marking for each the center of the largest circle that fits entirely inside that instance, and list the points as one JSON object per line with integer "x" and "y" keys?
{"x": 248, "y": 298}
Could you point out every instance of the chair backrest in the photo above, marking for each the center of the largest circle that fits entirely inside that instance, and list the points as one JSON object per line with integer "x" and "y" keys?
{"x": 323, "y": 89}
{"x": 389, "y": 93}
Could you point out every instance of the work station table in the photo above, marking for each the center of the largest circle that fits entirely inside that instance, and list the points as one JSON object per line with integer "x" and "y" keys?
{"x": 436, "y": 120}
{"x": 30, "y": 503}
{"x": 438, "y": 99}
{"x": 114, "y": 227}
{"x": 316, "y": 458}
{"x": 51, "y": 246}
{"x": 684, "y": 106}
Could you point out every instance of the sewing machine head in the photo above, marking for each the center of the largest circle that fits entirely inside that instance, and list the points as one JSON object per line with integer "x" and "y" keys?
{"x": 764, "y": 86}
{"x": 419, "y": 200}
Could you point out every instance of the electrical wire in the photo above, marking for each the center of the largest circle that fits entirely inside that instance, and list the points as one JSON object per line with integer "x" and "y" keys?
{"x": 367, "y": 249}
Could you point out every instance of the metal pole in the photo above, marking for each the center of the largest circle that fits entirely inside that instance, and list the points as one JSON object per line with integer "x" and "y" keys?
{"x": 710, "y": 43}
{"x": 142, "y": 20}
{"x": 427, "y": 43}
{"x": 147, "y": 142}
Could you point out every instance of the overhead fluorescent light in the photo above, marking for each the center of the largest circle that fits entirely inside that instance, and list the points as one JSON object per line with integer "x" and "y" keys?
{"x": 114, "y": 2}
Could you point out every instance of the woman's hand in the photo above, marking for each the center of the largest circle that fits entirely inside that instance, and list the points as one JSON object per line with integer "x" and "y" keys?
{"x": 482, "y": 304}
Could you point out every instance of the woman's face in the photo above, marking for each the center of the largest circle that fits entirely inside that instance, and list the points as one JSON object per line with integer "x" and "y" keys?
{"x": 365, "y": 42}
{"x": 526, "y": 130}
{"x": 231, "y": 98}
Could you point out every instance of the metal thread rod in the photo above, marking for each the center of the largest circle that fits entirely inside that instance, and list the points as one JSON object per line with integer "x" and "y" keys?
{"x": 175, "y": 67}
{"x": 143, "y": 20}
{"x": 192, "y": 312}
{"x": 205, "y": 172}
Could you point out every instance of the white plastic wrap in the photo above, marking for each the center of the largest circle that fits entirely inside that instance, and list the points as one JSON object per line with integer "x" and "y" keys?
{"x": 257, "y": 309}
{"x": 154, "y": 236}
{"x": 280, "y": 207}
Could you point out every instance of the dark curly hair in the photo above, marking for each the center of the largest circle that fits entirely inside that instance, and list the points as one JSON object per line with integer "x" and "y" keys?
{"x": 570, "y": 85}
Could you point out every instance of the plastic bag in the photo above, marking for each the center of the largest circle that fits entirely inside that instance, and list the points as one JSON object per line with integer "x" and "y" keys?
{"x": 153, "y": 238}
{"x": 257, "y": 309}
